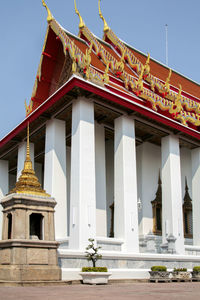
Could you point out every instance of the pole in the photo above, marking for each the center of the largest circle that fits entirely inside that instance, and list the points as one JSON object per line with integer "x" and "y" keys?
{"x": 166, "y": 30}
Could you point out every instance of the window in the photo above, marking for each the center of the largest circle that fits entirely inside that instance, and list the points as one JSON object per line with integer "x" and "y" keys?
{"x": 157, "y": 209}
{"x": 187, "y": 213}
{"x": 9, "y": 216}
{"x": 36, "y": 226}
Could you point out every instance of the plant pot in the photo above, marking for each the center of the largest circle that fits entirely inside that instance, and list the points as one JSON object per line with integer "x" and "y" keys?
{"x": 95, "y": 277}
{"x": 158, "y": 276}
{"x": 181, "y": 275}
{"x": 196, "y": 276}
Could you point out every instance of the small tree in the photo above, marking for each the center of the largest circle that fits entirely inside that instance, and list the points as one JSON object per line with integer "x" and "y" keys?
{"x": 92, "y": 252}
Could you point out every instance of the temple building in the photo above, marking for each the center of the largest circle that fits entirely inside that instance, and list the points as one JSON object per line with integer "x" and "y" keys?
{"x": 115, "y": 139}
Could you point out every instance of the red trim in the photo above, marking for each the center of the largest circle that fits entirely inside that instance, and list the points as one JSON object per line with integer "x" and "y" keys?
{"x": 106, "y": 94}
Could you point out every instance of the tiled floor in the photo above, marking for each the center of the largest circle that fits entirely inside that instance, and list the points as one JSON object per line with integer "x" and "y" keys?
{"x": 110, "y": 292}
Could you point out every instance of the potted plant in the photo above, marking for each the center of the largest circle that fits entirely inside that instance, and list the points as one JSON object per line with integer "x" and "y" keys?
{"x": 159, "y": 274}
{"x": 94, "y": 275}
{"x": 180, "y": 274}
{"x": 196, "y": 273}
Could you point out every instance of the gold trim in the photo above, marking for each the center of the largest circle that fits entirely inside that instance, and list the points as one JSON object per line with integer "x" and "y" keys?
{"x": 81, "y": 24}
{"x": 28, "y": 107}
{"x": 167, "y": 85}
{"x": 106, "y": 27}
{"x": 49, "y": 17}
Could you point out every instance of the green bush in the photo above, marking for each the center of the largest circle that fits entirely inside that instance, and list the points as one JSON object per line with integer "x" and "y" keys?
{"x": 196, "y": 269}
{"x": 92, "y": 252}
{"x": 180, "y": 270}
{"x": 94, "y": 269}
{"x": 159, "y": 269}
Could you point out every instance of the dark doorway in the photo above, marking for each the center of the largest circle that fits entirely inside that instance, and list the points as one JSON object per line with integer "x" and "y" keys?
{"x": 36, "y": 221}
{"x": 9, "y": 226}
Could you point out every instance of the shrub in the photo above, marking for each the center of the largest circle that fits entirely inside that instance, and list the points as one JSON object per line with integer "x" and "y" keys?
{"x": 196, "y": 269}
{"x": 92, "y": 253}
{"x": 159, "y": 269}
{"x": 180, "y": 269}
{"x": 94, "y": 269}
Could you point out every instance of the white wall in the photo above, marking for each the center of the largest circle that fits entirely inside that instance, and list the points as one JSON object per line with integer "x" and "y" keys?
{"x": 148, "y": 165}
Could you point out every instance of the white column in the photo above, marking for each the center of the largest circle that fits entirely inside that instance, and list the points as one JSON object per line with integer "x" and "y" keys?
{"x": 22, "y": 156}
{"x": 172, "y": 212}
{"x": 55, "y": 181}
{"x": 100, "y": 163}
{"x": 126, "y": 211}
{"x": 83, "y": 195}
{"x": 3, "y": 187}
{"x": 68, "y": 187}
{"x": 196, "y": 195}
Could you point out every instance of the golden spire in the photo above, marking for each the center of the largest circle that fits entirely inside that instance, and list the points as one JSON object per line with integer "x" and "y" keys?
{"x": 28, "y": 182}
{"x": 167, "y": 85}
{"x": 49, "y": 17}
{"x": 81, "y": 24}
{"x": 106, "y": 28}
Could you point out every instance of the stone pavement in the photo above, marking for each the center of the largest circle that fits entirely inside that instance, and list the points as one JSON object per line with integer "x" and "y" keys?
{"x": 115, "y": 291}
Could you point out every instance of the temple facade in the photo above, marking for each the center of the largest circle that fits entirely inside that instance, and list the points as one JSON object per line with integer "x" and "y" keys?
{"x": 115, "y": 139}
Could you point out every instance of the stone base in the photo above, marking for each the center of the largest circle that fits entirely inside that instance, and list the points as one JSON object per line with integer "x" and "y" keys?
{"x": 29, "y": 273}
{"x": 123, "y": 265}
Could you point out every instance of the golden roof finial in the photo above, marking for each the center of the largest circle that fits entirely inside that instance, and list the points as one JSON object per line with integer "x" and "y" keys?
{"x": 81, "y": 23}
{"x": 106, "y": 28}
{"x": 28, "y": 182}
{"x": 105, "y": 75}
{"x": 28, "y": 107}
{"x": 179, "y": 93}
{"x": 147, "y": 66}
{"x": 167, "y": 85}
{"x": 49, "y": 17}
{"x": 140, "y": 80}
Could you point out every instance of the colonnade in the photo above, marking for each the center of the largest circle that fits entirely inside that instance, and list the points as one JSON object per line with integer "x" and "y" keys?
{"x": 88, "y": 181}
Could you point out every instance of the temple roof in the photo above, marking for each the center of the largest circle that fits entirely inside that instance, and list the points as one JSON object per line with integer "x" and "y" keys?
{"x": 116, "y": 66}
{"x": 114, "y": 70}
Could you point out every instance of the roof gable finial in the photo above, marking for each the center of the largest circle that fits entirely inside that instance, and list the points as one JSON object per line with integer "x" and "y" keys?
{"x": 49, "y": 17}
{"x": 106, "y": 28}
{"x": 81, "y": 24}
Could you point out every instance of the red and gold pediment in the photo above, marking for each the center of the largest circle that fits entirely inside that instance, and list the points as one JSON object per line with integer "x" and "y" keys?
{"x": 115, "y": 66}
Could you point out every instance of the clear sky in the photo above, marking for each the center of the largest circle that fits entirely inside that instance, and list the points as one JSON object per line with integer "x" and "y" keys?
{"x": 139, "y": 23}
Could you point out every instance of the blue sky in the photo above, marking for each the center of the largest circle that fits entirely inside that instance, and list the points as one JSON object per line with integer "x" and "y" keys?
{"x": 139, "y": 23}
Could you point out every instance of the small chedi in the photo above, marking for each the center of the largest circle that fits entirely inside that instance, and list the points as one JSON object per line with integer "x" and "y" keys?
{"x": 28, "y": 250}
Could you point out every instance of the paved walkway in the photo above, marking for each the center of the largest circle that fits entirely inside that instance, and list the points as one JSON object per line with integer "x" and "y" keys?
{"x": 120, "y": 291}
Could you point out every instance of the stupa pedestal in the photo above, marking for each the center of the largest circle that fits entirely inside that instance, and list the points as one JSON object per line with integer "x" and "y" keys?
{"x": 28, "y": 251}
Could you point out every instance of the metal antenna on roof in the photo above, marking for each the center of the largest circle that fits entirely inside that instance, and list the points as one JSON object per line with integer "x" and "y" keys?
{"x": 166, "y": 31}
